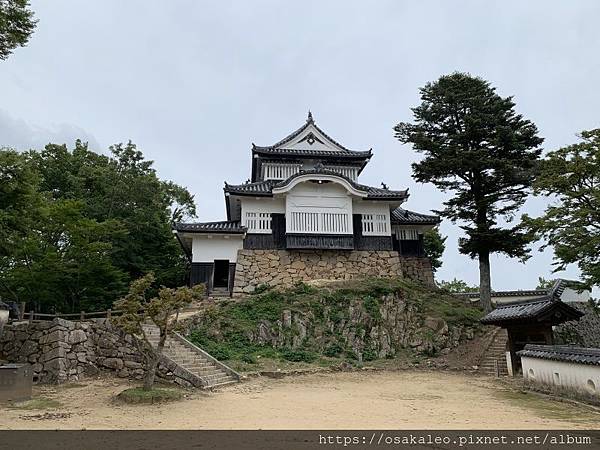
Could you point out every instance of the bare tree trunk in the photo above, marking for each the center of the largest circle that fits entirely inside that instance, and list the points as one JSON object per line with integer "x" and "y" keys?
{"x": 153, "y": 361}
{"x": 485, "y": 284}
{"x": 150, "y": 372}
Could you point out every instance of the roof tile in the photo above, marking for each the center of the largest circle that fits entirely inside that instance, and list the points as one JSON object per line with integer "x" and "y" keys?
{"x": 568, "y": 353}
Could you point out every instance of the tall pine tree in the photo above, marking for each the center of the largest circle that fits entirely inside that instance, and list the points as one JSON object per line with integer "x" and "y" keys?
{"x": 476, "y": 146}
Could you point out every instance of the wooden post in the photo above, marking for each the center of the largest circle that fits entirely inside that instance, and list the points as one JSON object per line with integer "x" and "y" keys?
{"x": 82, "y": 316}
{"x": 21, "y": 311}
{"x": 30, "y": 317}
{"x": 108, "y": 315}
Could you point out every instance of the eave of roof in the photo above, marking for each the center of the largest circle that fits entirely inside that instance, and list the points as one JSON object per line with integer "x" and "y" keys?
{"x": 265, "y": 188}
{"x": 530, "y": 293}
{"x": 565, "y": 353}
{"x": 401, "y": 216}
{"x": 556, "y": 290}
{"x": 333, "y": 154}
{"x": 545, "y": 308}
{"x": 221, "y": 227}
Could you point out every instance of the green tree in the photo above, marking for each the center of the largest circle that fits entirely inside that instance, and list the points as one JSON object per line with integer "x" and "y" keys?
{"x": 123, "y": 187}
{"x": 434, "y": 246}
{"x": 476, "y": 146}
{"x": 63, "y": 263}
{"x": 571, "y": 224}
{"x": 16, "y": 25}
{"x": 544, "y": 284}
{"x": 77, "y": 226}
{"x": 455, "y": 286}
{"x": 162, "y": 311}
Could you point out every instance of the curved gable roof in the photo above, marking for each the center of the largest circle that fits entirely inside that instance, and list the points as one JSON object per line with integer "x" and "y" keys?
{"x": 309, "y": 140}
{"x": 265, "y": 188}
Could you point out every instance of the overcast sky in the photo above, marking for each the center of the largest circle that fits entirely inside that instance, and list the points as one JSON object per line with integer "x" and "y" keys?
{"x": 194, "y": 83}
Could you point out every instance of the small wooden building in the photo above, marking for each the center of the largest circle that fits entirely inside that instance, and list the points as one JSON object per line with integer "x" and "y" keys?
{"x": 529, "y": 322}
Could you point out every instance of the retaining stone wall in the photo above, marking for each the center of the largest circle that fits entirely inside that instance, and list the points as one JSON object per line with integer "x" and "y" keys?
{"x": 62, "y": 351}
{"x": 284, "y": 268}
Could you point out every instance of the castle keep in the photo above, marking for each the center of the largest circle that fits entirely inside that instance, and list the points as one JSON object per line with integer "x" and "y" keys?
{"x": 303, "y": 215}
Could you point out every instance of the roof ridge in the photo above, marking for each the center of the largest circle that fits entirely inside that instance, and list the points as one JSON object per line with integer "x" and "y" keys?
{"x": 309, "y": 121}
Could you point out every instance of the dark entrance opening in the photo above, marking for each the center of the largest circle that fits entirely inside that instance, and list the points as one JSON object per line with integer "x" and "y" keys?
{"x": 221, "y": 274}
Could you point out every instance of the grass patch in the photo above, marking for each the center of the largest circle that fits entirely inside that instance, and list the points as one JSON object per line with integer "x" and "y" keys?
{"x": 36, "y": 404}
{"x": 155, "y": 395}
{"x": 244, "y": 332}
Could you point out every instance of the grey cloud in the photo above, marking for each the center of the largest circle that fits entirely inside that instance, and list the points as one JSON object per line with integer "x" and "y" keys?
{"x": 21, "y": 135}
{"x": 194, "y": 83}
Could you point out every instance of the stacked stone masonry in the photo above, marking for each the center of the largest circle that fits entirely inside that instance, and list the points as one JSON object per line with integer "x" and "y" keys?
{"x": 284, "y": 268}
{"x": 61, "y": 351}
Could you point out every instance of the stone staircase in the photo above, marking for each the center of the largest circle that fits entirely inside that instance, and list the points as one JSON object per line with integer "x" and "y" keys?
{"x": 198, "y": 367}
{"x": 219, "y": 292}
{"x": 493, "y": 362}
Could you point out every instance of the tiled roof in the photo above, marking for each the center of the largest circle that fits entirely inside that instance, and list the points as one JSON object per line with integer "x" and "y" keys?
{"x": 566, "y": 353}
{"x": 556, "y": 290}
{"x": 528, "y": 293}
{"x": 342, "y": 154}
{"x": 260, "y": 188}
{"x": 406, "y": 217}
{"x": 544, "y": 308}
{"x": 225, "y": 226}
{"x": 279, "y": 147}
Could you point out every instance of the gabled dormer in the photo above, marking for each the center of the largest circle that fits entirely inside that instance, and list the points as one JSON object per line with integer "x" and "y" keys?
{"x": 304, "y": 149}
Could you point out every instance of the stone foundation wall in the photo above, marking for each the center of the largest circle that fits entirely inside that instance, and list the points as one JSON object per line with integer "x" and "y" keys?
{"x": 62, "y": 351}
{"x": 418, "y": 269}
{"x": 284, "y": 268}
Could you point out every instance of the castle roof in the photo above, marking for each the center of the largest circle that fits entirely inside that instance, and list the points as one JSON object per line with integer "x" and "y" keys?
{"x": 308, "y": 142}
{"x": 223, "y": 226}
{"x": 401, "y": 216}
{"x": 265, "y": 188}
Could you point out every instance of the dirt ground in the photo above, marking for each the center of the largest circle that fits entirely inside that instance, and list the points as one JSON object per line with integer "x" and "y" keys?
{"x": 365, "y": 400}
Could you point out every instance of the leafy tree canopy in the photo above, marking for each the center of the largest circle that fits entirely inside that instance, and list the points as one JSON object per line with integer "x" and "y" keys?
{"x": 571, "y": 224}
{"x": 81, "y": 225}
{"x": 477, "y": 147}
{"x": 16, "y": 25}
{"x": 455, "y": 286}
{"x": 434, "y": 246}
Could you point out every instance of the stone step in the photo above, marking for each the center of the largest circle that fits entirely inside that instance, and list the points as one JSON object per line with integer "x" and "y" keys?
{"x": 206, "y": 370}
{"x": 190, "y": 359}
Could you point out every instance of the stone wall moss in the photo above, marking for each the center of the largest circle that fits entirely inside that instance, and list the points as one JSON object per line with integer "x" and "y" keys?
{"x": 358, "y": 320}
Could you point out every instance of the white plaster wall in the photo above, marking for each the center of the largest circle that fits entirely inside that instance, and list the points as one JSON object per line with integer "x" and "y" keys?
{"x": 207, "y": 248}
{"x": 571, "y": 375}
{"x": 314, "y": 197}
{"x": 366, "y": 207}
{"x": 262, "y": 205}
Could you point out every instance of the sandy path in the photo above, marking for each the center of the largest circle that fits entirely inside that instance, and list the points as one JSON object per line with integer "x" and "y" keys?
{"x": 392, "y": 400}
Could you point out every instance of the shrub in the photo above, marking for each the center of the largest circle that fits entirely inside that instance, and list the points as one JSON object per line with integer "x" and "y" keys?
{"x": 333, "y": 350}
{"x": 298, "y": 355}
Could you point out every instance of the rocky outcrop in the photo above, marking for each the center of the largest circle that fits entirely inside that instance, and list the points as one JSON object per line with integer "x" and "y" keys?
{"x": 358, "y": 328}
{"x": 585, "y": 332}
{"x": 284, "y": 268}
{"x": 61, "y": 351}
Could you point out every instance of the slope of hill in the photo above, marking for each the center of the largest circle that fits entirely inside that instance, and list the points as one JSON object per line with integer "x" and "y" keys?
{"x": 344, "y": 321}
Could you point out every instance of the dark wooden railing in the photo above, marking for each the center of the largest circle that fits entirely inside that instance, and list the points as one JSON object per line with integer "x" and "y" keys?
{"x": 33, "y": 316}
